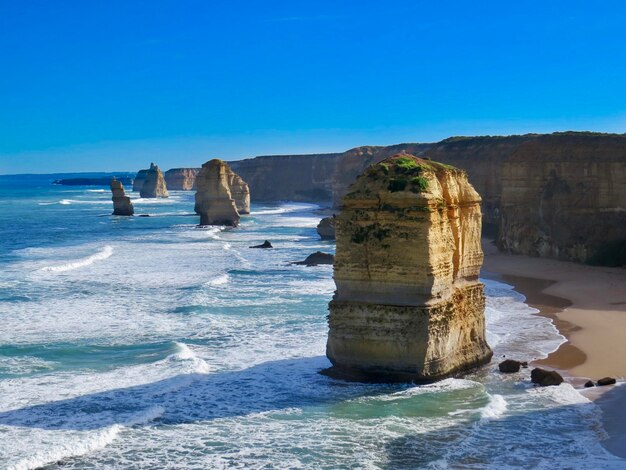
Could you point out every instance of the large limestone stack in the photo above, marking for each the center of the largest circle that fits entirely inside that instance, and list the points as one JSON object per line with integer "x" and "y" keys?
{"x": 181, "y": 179}
{"x": 154, "y": 184}
{"x": 121, "y": 202}
{"x": 408, "y": 304}
{"x": 239, "y": 191}
{"x": 214, "y": 200}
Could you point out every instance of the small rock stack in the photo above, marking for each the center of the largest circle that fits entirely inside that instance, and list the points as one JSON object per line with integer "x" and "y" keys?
{"x": 154, "y": 184}
{"x": 121, "y": 202}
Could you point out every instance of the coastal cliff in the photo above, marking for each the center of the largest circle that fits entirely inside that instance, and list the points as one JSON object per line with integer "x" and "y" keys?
{"x": 565, "y": 197}
{"x": 408, "y": 302}
{"x": 214, "y": 201}
{"x": 181, "y": 179}
{"x": 498, "y": 168}
{"x": 121, "y": 202}
{"x": 154, "y": 184}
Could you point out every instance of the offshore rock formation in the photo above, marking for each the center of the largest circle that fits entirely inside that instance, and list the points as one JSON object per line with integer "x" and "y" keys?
{"x": 326, "y": 228}
{"x": 154, "y": 184}
{"x": 181, "y": 179}
{"x": 121, "y": 202}
{"x": 214, "y": 201}
{"x": 139, "y": 180}
{"x": 240, "y": 192}
{"x": 408, "y": 304}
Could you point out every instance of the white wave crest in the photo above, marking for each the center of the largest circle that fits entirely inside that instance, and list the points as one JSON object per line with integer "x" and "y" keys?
{"x": 76, "y": 445}
{"x": 65, "y": 202}
{"x": 495, "y": 408}
{"x": 218, "y": 281}
{"x": 103, "y": 254}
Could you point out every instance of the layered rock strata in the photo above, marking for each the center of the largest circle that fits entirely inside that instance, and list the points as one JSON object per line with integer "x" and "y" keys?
{"x": 181, "y": 179}
{"x": 214, "y": 200}
{"x": 121, "y": 202}
{"x": 408, "y": 304}
{"x": 154, "y": 185}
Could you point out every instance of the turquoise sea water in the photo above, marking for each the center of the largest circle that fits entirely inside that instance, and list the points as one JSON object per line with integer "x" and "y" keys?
{"x": 152, "y": 343}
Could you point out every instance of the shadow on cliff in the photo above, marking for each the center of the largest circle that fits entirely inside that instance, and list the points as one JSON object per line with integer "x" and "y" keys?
{"x": 186, "y": 398}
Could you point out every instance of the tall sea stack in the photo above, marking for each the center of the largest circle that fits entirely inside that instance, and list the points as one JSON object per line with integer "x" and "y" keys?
{"x": 121, "y": 202}
{"x": 214, "y": 199}
{"x": 154, "y": 184}
{"x": 409, "y": 304}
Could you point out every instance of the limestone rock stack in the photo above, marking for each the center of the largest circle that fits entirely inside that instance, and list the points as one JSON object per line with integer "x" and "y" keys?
{"x": 326, "y": 228}
{"x": 121, "y": 202}
{"x": 214, "y": 199}
{"x": 239, "y": 191}
{"x": 154, "y": 184}
{"x": 409, "y": 303}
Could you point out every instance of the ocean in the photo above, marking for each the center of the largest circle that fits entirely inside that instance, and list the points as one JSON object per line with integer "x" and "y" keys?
{"x": 147, "y": 342}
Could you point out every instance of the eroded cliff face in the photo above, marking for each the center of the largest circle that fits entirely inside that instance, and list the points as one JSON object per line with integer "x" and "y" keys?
{"x": 121, "y": 202}
{"x": 181, "y": 179}
{"x": 564, "y": 197}
{"x": 214, "y": 200}
{"x": 154, "y": 185}
{"x": 288, "y": 177}
{"x": 408, "y": 302}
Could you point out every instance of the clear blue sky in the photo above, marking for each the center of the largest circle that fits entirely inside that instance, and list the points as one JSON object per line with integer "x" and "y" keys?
{"x": 113, "y": 85}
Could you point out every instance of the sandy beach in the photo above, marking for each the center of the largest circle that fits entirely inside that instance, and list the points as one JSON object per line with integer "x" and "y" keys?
{"x": 588, "y": 306}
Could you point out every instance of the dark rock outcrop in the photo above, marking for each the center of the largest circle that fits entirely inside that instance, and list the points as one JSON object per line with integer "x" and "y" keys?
{"x": 214, "y": 201}
{"x": 154, "y": 184}
{"x": 326, "y": 228}
{"x": 606, "y": 381}
{"x": 408, "y": 304}
{"x": 589, "y": 384}
{"x": 265, "y": 244}
{"x": 545, "y": 377}
{"x": 181, "y": 179}
{"x": 509, "y": 366}
{"x": 316, "y": 258}
{"x": 121, "y": 202}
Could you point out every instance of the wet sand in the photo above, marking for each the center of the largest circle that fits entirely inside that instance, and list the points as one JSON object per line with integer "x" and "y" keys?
{"x": 588, "y": 306}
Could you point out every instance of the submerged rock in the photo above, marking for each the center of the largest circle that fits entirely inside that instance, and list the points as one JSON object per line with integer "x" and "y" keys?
{"x": 265, "y": 244}
{"x": 154, "y": 184}
{"x": 326, "y": 228}
{"x": 509, "y": 366}
{"x": 408, "y": 304}
{"x": 214, "y": 201}
{"x": 545, "y": 377}
{"x": 606, "y": 381}
{"x": 317, "y": 258}
{"x": 121, "y": 202}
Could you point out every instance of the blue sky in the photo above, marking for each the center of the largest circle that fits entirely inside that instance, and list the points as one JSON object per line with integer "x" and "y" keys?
{"x": 113, "y": 85}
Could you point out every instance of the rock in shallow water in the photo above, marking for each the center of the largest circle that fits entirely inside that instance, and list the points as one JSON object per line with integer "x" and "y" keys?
{"x": 545, "y": 377}
{"x": 408, "y": 302}
{"x": 606, "y": 381}
{"x": 509, "y": 366}
{"x": 317, "y": 258}
{"x": 265, "y": 244}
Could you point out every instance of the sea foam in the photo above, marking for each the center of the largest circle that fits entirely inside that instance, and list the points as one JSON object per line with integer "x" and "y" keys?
{"x": 103, "y": 254}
